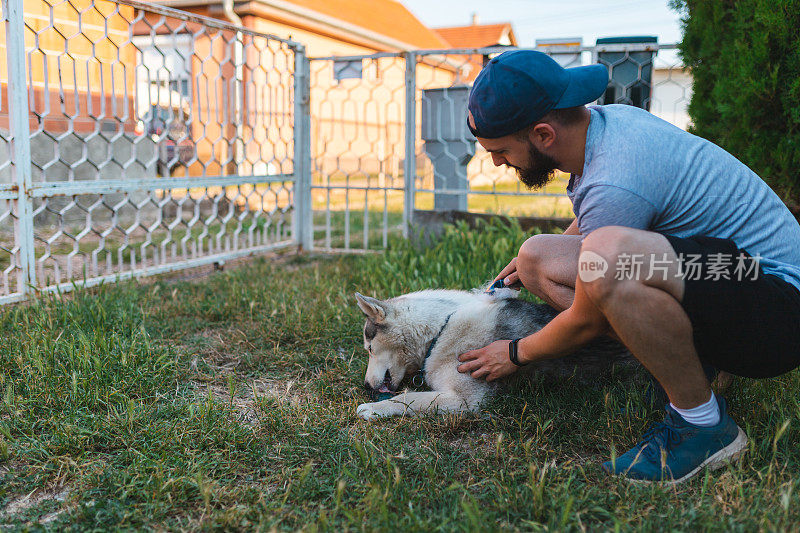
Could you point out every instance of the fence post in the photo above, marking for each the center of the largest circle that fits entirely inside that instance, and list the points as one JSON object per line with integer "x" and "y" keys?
{"x": 410, "y": 159}
{"x": 303, "y": 222}
{"x": 21, "y": 141}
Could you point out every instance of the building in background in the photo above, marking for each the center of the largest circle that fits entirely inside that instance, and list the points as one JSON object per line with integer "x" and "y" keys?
{"x": 672, "y": 91}
{"x": 565, "y": 50}
{"x": 343, "y": 27}
{"x": 75, "y": 75}
{"x": 478, "y": 35}
{"x": 105, "y": 75}
{"x": 369, "y": 136}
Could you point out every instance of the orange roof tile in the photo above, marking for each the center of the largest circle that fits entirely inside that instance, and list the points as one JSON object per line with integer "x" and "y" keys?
{"x": 476, "y": 35}
{"x": 387, "y": 17}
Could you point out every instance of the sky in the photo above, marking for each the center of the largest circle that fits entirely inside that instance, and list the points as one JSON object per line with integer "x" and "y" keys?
{"x": 544, "y": 19}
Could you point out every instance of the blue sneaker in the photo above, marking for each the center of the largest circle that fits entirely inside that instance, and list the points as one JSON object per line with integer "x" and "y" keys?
{"x": 675, "y": 450}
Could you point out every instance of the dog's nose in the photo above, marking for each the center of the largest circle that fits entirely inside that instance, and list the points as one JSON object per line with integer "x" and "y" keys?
{"x": 367, "y": 385}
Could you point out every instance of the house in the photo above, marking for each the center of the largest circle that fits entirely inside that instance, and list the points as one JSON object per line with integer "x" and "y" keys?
{"x": 71, "y": 81}
{"x": 477, "y": 35}
{"x": 672, "y": 91}
{"x": 80, "y": 93}
{"x": 105, "y": 66}
{"x": 326, "y": 27}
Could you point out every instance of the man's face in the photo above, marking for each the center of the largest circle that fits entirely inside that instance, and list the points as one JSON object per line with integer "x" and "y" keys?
{"x": 534, "y": 168}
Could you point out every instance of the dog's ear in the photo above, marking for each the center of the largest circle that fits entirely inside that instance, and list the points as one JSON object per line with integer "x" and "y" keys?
{"x": 374, "y": 309}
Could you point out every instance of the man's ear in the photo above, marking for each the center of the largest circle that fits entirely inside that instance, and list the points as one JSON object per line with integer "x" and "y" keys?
{"x": 374, "y": 309}
{"x": 543, "y": 135}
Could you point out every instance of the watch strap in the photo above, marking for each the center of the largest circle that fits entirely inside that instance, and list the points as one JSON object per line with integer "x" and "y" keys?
{"x": 513, "y": 353}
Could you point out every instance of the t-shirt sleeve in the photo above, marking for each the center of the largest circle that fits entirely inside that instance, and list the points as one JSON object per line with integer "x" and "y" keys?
{"x": 611, "y": 205}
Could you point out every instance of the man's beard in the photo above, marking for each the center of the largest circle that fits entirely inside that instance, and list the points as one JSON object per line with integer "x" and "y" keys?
{"x": 541, "y": 170}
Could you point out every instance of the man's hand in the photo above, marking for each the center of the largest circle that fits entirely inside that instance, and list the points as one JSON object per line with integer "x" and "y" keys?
{"x": 510, "y": 276}
{"x": 490, "y": 362}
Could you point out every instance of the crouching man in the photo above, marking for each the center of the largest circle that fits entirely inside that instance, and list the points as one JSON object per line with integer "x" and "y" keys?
{"x": 678, "y": 250}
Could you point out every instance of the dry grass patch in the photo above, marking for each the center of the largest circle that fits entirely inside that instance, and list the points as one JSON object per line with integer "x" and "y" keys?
{"x": 21, "y": 506}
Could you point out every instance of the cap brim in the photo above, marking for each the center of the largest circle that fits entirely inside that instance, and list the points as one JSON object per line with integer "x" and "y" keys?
{"x": 586, "y": 84}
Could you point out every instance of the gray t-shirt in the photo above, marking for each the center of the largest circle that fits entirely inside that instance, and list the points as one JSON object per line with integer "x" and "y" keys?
{"x": 643, "y": 172}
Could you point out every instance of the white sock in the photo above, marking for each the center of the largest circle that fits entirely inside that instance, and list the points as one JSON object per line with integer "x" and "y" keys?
{"x": 705, "y": 415}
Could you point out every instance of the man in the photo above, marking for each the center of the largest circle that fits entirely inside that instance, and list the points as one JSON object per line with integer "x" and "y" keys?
{"x": 678, "y": 250}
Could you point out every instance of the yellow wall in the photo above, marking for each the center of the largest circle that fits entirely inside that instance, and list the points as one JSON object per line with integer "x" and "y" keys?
{"x": 85, "y": 65}
{"x": 357, "y": 124}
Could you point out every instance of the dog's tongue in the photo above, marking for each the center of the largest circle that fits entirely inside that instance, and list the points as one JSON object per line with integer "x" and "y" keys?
{"x": 384, "y": 388}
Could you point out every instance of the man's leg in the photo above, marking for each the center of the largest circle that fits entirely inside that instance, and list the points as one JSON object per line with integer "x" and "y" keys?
{"x": 647, "y": 313}
{"x": 643, "y": 306}
{"x": 548, "y": 266}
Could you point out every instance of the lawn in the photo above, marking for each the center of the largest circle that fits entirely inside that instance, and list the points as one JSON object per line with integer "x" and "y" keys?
{"x": 505, "y": 197}
{"x": 228, "y": 402}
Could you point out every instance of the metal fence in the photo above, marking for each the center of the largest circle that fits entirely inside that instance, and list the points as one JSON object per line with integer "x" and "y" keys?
{"x": 137, "y": 139}
{"x": 389, "y": 136}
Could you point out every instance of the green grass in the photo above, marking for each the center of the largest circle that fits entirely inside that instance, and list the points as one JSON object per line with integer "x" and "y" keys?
{"x": 514, "y": 199}
{"x": 229, "y": 403}
{"x": 120, "y": 254}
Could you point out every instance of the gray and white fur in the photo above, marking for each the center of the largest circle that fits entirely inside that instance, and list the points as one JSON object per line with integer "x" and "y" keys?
{"x": 399, "y": 331}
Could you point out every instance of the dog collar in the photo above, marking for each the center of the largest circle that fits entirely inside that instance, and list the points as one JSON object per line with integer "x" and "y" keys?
{"x": 419, "y": 378}
{"x": 436, "y": 338}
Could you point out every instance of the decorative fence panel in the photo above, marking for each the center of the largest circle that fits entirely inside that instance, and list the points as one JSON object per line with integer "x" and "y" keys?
{"x": 137, "y": 139}
{"x": 390, "y": 136}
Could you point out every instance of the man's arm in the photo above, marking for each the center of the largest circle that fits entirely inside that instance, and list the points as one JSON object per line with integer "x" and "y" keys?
{"x": 567, "y": 332}
{"x": 572, "y": 229}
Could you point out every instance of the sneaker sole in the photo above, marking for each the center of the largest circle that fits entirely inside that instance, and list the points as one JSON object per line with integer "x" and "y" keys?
{"x": 727, "y": 455}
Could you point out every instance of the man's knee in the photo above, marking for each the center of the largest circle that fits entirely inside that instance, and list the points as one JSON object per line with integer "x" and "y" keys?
{"x": 531, "y": 255}
{"x": 610, "y": 241}
{"x": 604, "y": 245}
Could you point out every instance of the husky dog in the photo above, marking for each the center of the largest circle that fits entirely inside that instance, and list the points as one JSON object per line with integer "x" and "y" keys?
{"x": 422, "y": 334}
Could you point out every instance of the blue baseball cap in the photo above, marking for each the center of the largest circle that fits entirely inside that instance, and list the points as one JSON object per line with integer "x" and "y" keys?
{"x": 517, "y": 88}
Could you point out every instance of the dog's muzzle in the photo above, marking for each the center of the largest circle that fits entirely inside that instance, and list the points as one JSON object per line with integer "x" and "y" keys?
{"x": 385, "y": 387}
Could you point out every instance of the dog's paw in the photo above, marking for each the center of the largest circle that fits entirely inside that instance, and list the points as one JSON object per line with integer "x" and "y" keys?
{"x": 370, "y": 411}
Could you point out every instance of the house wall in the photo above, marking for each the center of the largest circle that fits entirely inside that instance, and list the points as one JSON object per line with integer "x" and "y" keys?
{"x": 357, "y": 124}
{"x": 357, "y": 127}
{"x": 672, "y": 91}
{"x": 77, "y": 76}
{"x": 79, "y": 81}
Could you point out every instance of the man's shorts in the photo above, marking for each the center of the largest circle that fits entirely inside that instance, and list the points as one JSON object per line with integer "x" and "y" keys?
{"x": 745, "y": 323}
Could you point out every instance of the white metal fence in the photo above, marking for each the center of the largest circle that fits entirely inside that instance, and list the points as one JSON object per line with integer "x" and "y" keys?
{"x": 137, "y": 139}
{"x": 389, "y": 136}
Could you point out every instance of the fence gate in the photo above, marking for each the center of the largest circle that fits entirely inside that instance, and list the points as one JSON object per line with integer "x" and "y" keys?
{"x": 358, "y": 123}
{"x": 137, "y": 139}
{"x": 389, "y": 136}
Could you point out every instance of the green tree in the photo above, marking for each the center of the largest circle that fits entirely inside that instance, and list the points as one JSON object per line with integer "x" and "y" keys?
{"x": 745, "y": 61}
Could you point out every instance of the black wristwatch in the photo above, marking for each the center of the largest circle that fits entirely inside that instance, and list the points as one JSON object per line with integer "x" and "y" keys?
{"x": 512, "y": 353}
